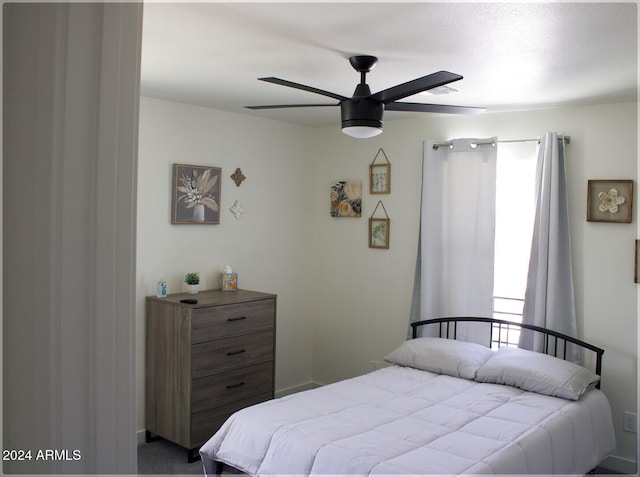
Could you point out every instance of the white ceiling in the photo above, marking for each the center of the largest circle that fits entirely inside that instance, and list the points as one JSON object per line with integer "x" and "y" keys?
{"x": 512, "y": 55}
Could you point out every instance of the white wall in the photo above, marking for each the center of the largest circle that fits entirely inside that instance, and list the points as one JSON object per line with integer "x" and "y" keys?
{"x": 269, "y": 246}
{"x": 363, "y": 295}
{"x": 342, "y": 305}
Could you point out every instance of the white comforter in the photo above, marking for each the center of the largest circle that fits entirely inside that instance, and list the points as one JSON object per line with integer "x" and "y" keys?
{"x": 400, "y": 420}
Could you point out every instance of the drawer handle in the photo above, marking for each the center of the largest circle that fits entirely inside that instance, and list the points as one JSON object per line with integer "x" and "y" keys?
{"x": 233, "y": 353}
{"x": 239, "y": 318}
{"x": 233, "y": 386}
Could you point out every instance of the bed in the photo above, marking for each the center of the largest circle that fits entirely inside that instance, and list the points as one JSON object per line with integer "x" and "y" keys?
{"x": 442, "y": 406}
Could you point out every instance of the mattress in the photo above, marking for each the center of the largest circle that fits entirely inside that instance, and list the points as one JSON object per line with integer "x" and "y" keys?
{"x": 401, "y": 420}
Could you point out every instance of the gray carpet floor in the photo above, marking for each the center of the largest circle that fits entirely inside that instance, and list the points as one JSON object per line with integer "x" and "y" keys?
{"x": 161, "y": 457}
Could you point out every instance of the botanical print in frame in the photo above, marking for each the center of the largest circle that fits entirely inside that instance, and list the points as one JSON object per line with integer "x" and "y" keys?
{"x": 378, "y": 233}
{"x": 346, "y": 198}
{"x": 195, "y": 194}
{"x": 609, "y": 201}
{"x": 380, "y": 178}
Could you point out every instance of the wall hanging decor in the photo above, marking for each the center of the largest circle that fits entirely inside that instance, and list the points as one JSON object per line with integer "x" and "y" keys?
{"x": 346, "y": 198}
{"x": 238, "y": 177}
{"x": 609, "y": 200}
{"x": 380, "y": 175}
{"x": 379, "y": 229}
{"x": 237, "y": 209}
{"x": 195, "y": 195}
{"x": 636, "y": 266}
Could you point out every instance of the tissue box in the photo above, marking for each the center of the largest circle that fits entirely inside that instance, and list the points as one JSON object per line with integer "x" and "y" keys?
{"x": 229, "y": 281}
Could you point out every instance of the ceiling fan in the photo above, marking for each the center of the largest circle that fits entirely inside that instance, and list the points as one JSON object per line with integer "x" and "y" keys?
{"x": 362, "y": 113}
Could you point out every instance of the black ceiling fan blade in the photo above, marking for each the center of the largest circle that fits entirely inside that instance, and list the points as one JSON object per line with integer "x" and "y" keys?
{"x": 303, "y": 87}
{"x": 282, "y": 106}
{"x": 415, "y": 86}
{"x": 432, "y": 108}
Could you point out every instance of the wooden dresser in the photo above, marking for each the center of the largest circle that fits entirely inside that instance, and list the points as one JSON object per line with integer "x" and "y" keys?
{"x": 205, "y": 361}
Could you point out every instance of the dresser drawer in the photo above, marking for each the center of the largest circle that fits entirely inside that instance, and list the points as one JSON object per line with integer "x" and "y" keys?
{"x": 235, "y": 385}
{"x": 221, "y": 355}
{"x": 228, "y": 320}
{"x": 205, "y": 423}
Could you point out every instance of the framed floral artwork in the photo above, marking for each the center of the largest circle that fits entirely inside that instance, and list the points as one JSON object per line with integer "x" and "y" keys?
{"x": 195, "y": 194}
{"x": 609, "y": 201}
{"x": 346, "y": 198}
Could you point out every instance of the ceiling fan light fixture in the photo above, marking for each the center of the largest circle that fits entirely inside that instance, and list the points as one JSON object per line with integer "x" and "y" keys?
{"x": 362, "y": 118}
{"x": 362, "y": 113}
{"x": 361, "y": 132}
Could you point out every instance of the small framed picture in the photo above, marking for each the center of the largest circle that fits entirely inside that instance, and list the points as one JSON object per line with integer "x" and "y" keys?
{"x": 229, "y": 281}
{"x": 380, "y": 178}
{"x": 609, "y": 201}
{"x": 378, "y": 233}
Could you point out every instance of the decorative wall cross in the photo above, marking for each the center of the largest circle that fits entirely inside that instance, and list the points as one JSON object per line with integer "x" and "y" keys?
{"x": 238, "y": 177}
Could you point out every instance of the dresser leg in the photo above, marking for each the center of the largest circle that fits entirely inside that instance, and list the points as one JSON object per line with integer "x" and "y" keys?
{"x": 193, "y": 455}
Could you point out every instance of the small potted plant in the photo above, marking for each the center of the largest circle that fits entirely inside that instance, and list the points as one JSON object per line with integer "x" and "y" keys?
{"x": 192, "y": 279}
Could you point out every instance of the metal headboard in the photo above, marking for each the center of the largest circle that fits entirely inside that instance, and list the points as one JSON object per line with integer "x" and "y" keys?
{"x": 553, "y": 341}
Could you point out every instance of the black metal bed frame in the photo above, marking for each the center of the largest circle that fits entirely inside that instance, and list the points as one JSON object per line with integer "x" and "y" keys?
{"x": 448, "y": 327}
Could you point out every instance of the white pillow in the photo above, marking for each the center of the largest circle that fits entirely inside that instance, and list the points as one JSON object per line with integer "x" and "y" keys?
{"x": 442, "y": 356}
{"x": 537, "y": 372}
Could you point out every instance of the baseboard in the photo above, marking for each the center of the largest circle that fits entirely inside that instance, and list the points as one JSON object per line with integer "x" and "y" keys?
{"x": 296, "y": 389}
{"x": 619, "y": 465}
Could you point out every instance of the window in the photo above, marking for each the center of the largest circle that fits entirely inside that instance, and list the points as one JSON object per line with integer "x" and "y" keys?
{"x": 515, "y": 211}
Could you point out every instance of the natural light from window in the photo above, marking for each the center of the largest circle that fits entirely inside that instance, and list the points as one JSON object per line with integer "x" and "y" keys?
{"x": 515, "y": 210}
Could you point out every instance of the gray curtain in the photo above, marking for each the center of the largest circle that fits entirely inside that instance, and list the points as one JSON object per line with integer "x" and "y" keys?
{"x": 549, "y": 297}
{"x": 454, "y": 270}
